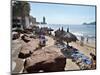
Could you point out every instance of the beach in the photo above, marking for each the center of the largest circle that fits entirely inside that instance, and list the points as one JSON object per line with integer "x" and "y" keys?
{"x": 17, "y": 63}
{"x": 86, "y": 49}
{"x": 54, "y": 40}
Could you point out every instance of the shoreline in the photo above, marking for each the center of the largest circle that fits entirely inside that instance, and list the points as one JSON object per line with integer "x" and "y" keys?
{"x": 86, "y": 50}
{"x": 91, "y": 37}
{"x": 91, "y": 45}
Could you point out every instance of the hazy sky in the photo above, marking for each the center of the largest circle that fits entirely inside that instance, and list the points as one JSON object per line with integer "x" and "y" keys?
{"x": 62, "y": 14}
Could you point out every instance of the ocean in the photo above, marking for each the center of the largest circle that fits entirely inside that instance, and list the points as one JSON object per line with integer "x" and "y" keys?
{"x": 78, "y": 30}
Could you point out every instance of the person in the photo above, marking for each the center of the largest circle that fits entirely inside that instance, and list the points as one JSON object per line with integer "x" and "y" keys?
{"x": 93, "y": 59}
{"x": 42, "y": 40}
{"x": 82, "y": 41}
{"x": 87, "y": 40}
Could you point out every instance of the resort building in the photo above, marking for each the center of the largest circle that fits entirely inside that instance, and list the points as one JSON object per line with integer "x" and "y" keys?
{"x": 17, "y": 23}
{"x": 44, "y": 21}
{"x": 32, "y": 20}
{"x": 29, "y": 20}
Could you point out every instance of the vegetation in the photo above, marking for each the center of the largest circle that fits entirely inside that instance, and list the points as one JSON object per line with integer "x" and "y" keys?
{"x": 20, "y": 9}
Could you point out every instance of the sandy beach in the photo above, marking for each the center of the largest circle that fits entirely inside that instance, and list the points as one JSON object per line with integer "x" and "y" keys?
{"x": 86, "y": 49}
{"x": 46, "y": 41}
{"x": 17, "y": 63}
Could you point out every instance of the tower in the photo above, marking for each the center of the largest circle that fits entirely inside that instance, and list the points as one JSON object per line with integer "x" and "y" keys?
{"x": 44, "y": 20}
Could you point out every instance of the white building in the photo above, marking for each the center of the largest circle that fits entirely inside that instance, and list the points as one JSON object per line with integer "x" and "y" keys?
{"x": 27, "y": 22}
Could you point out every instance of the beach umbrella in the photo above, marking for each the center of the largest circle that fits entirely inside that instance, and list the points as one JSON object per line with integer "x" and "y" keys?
{"x": 60, "y": 33}
{"x": 57, "y": 33}
{"x": 69, "y": 37}
{"x": 50, "y": 29}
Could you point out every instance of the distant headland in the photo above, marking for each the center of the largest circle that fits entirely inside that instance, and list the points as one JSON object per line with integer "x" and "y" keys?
{"x": 91, "y": 23}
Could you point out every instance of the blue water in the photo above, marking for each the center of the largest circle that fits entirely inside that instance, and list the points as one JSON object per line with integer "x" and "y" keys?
{"x": 78, "y": 30}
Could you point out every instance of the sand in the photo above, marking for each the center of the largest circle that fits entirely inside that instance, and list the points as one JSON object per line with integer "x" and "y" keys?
{"x": 50, "y": 41}
{"x": 71, "y": 65}
{"x": 86, "y": 49}
{"x": 17, "y": 63}
{"x": 16, "y": 45}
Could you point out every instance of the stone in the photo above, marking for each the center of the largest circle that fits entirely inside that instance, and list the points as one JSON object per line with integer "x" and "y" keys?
{"x": 25, "y": 38}
{"x": 15, "y": 35}
{"x": 46, "y": 60}
{"x": 28, "y": 48}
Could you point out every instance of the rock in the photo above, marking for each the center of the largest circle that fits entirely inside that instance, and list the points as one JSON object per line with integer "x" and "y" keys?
{"x": 32, "y": 36}
{"x": 23, "y": 55}
{"x": 28, "y": 48}
{"x": 15, "y": 35}
{"x": 25, "y": 38}
{"x": 45, "y": 60}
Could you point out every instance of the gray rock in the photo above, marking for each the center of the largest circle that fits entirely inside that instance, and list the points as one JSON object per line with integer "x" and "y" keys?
{"x": 45, "y": 60}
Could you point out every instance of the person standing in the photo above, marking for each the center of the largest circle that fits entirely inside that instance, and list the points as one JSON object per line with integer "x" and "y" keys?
{"x": 87, "y": 40}
{"x": 42, "y": 40}
{"x": 82, "y": 41}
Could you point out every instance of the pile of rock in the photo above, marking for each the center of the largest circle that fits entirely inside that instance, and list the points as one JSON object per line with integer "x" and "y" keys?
{"x": 45, "y": 60}
{"x": 28, "y": 48}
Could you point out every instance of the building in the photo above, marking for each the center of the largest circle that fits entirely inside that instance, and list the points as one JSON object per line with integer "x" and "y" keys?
{"x": 16, "y": 23}
{"x": 27, "y": 22}
{"x": 44, "y": 21}
{"x": 32, "y": 20}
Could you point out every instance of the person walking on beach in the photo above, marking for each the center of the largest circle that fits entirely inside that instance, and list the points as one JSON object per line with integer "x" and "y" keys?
{"x": 87, "y": 40}
{"x": 42, "y": 39}
{"x": 82, "y": 41}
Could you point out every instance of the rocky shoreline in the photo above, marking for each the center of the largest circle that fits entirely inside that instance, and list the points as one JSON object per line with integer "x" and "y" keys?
{"x": 29, "y": 57}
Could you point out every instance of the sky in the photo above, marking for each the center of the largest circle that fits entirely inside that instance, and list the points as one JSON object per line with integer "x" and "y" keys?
{"x": 62, "y": 14}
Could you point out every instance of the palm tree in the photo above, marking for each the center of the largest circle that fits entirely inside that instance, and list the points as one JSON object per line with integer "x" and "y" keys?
{"x": 22, "y": 9}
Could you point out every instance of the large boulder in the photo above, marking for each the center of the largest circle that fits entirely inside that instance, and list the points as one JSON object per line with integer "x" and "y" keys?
{"x": 24, "y": 55}
{"x": 28, "y": 48}
{"x": 46, "y": 60}
{"x": 15, "y": 35}
{"x": 25, "y": 38}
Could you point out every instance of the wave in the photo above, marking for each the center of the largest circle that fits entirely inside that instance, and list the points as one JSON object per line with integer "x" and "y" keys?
{"x": 78, "y": 30}
{"x": 80, "y": 34}
{"x": 77, "y": 33}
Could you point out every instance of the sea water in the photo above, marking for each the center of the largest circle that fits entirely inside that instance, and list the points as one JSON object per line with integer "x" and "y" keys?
{"x": 87, "y": 31}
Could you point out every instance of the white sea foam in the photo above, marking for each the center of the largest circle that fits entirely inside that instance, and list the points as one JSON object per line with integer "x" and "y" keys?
{"x": 77, "y": 33}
